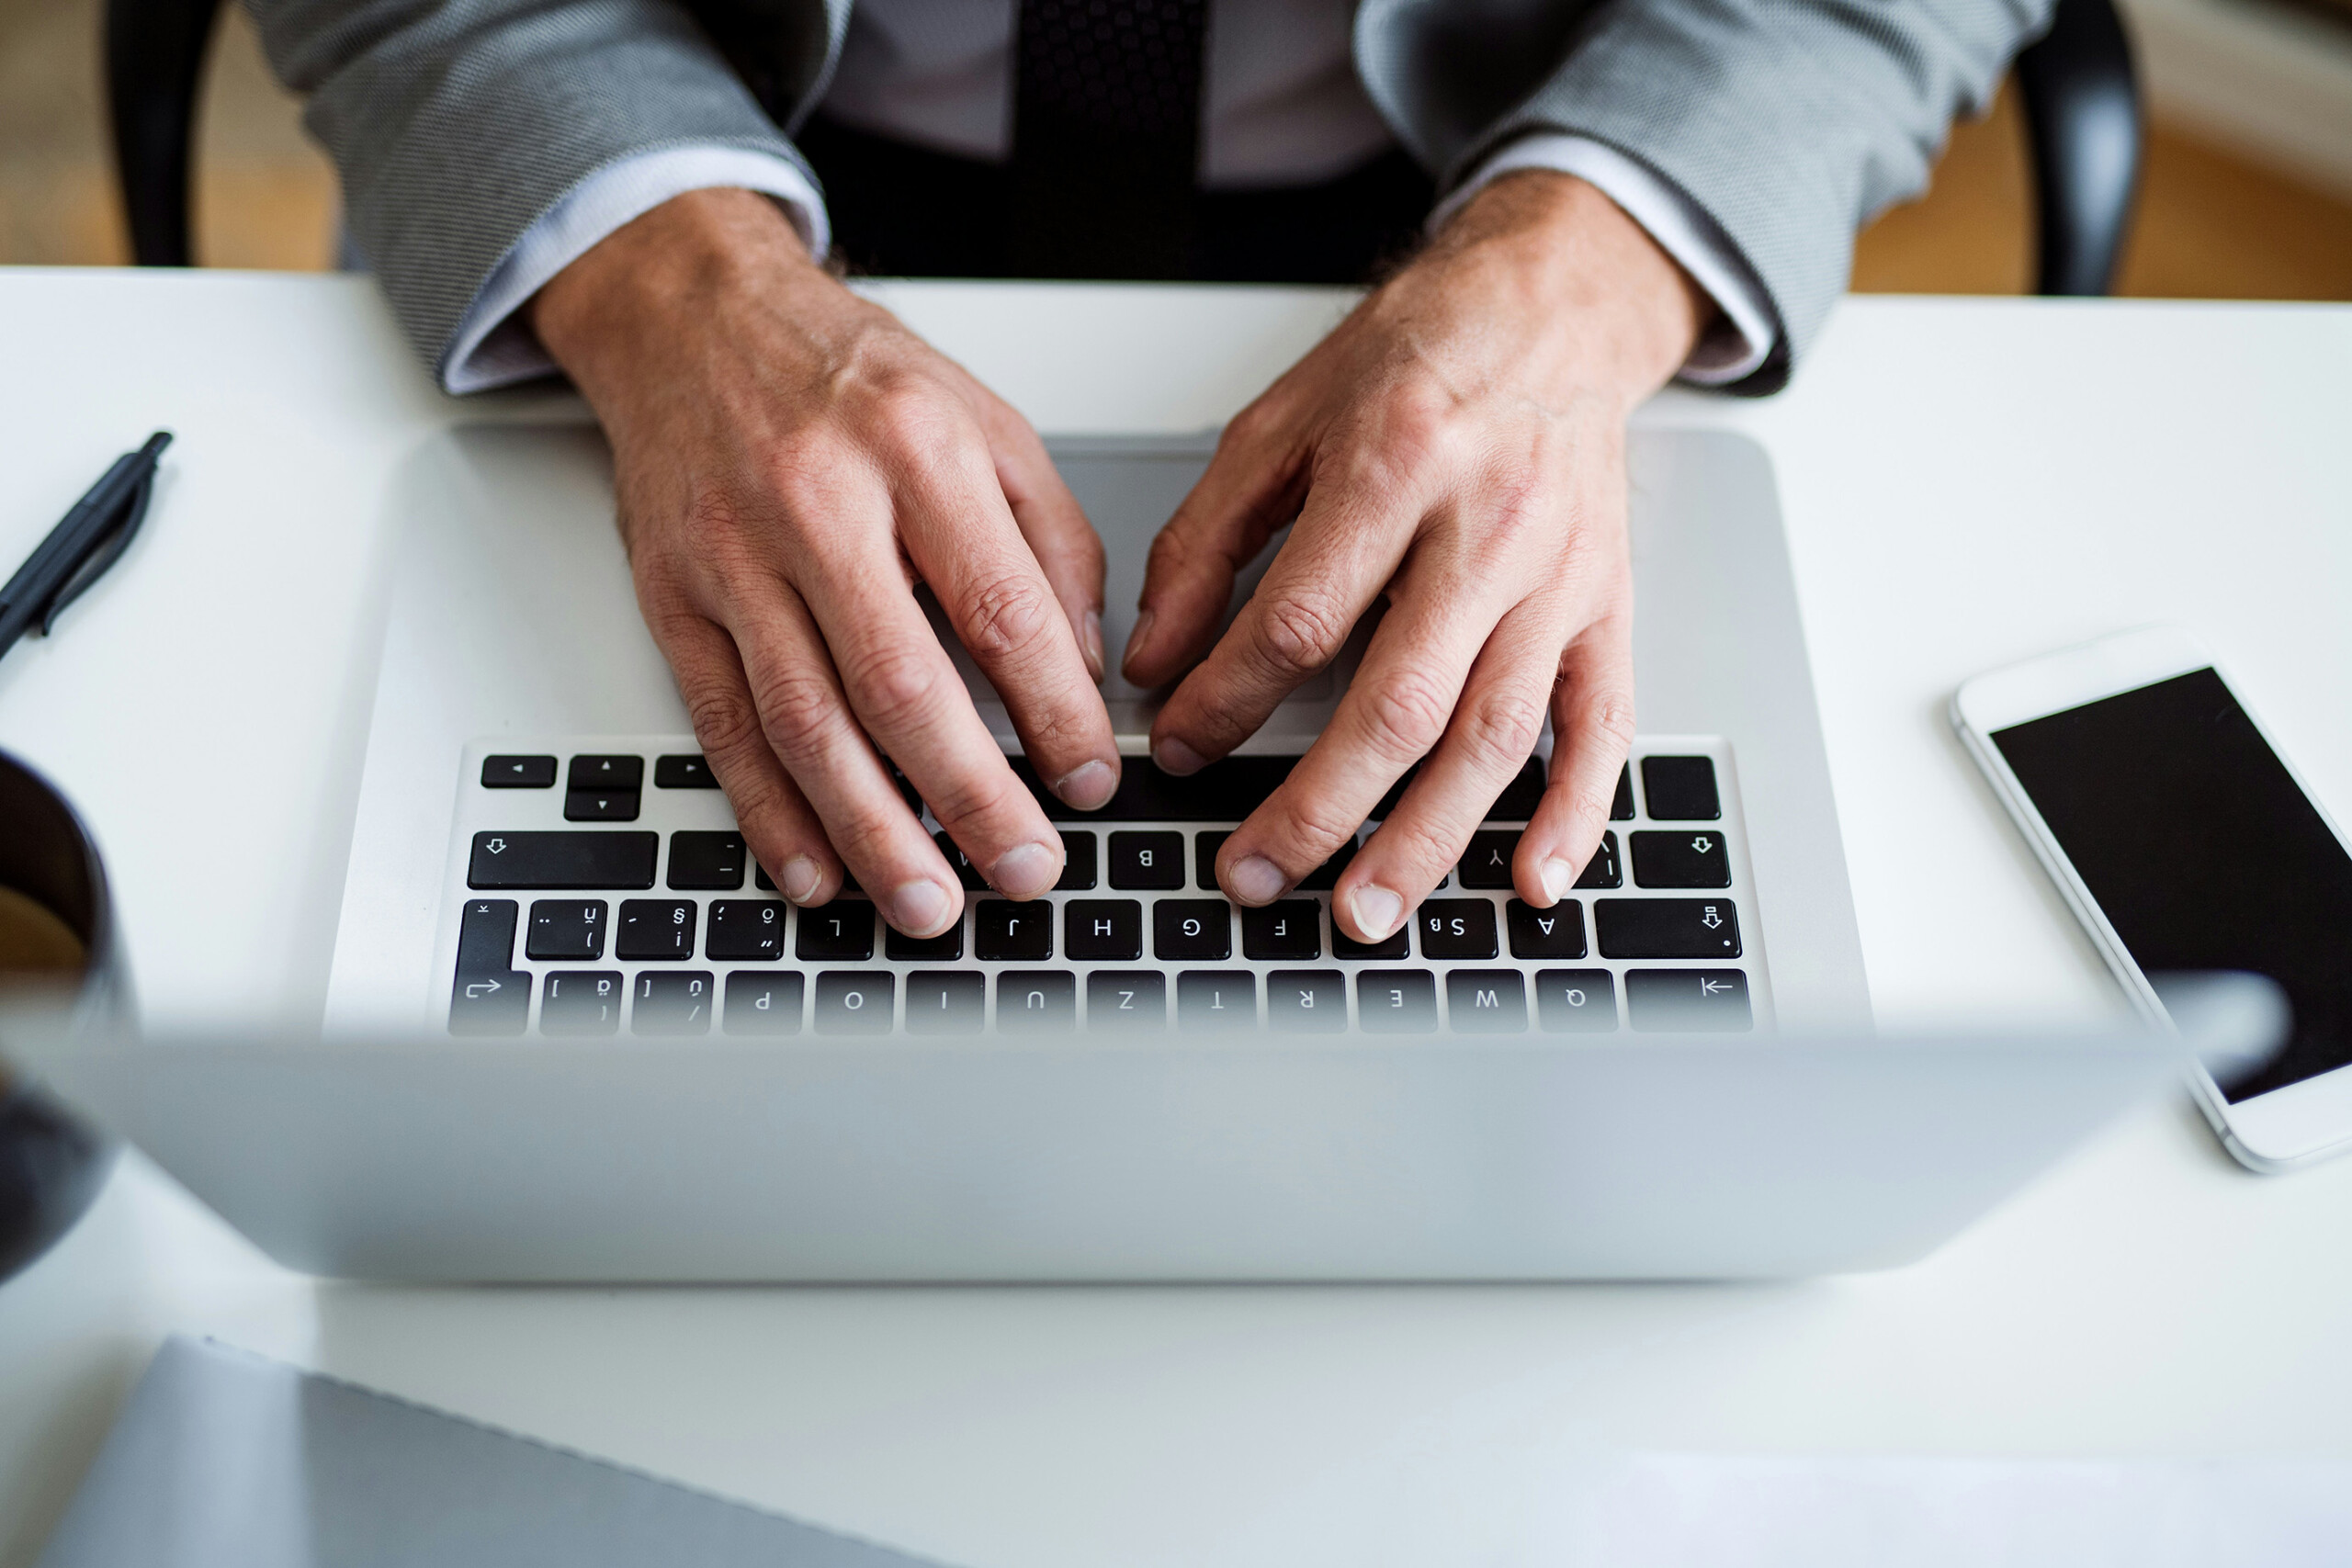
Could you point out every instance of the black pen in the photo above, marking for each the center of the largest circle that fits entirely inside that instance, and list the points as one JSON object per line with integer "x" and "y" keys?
{"x": 78, "y": 550}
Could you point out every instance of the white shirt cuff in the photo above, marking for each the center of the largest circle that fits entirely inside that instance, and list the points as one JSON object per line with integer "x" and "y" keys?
{"x": 1742, "y": 335}
{"x": 492, "y": 347}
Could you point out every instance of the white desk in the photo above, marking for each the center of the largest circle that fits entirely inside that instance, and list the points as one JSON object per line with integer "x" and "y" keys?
{"x": 1966, "y": 483}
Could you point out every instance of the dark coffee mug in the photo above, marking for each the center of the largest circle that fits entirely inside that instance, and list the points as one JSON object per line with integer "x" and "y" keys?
{"x": 56, "y": 935}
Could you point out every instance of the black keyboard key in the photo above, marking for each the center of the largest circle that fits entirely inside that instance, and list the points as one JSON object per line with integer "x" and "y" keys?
{"x": 1602, "y": 870}
{"x": 1204, "y": 849}
{"x": 1396, "y": 1001}
{"x": 1126, "y": 1002}
{"x": 1681, "y": 860}
{"x": 1079, "y": 874}
{"x": 518, "y": 773}
{"x": 1214, "y": 1000}
{"x": 491, "y": 1004}
{"x": 765, "y": 1003}
{"x": 1667, "y": 927}
{"x": 1456, "y": 928}
{"x": 566, "y": 930}
{"x": 1518, "y": 799}
{"x": 707, "y": 861}
{"x": 1621, "y": 809}
{"x": 945, "y": 948}
{"x": 836, "y": 932}
{"x": 561, "y": 860}
{"x": 1153, "y": 861}
{"x": 486, "y": 936}
{"x": 1226, "y": 791}
{"x": 621, "y": 774}
{"x": 744, "y": 928}
{"x": 1576, "y": 1001}
{"x": 655, "y": 928}
{"x": 1681, "y": 789}
{"x": 683, "y": 773}
{"x": 1689, "y": 1001}
{"x": 1012, "y": 930}
{"x": 582, "y": 1001}
{"x": 1486, "y": 862}
{"x": 1307, "y": 1002}
{"x": 1555, "y": 932}
{"x": 600, "y": 806}
{"x": 1325, "y": 878}
{"x": 947, "y": 1001}
{"x": 672, "y": 1001}
{"x": 1486, "y": 1001}
{"x": 856, "y": 1001}
{"x": 960, "y": 863}
{"x": 1289, "y": 928}
{"x": 1103, "y": 930}
{"x": 1192, "y": 929}
{"x": 1036, "y": 1001}
{"x": 1390, "y": 947}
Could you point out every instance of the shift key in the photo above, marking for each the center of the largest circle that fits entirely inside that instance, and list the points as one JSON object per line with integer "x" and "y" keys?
{"x": 1667, "y": 927}
{"x": 563, "y": 860}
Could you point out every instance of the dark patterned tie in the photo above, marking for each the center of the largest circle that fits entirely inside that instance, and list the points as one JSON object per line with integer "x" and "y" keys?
{"x": 1106, "y": 135}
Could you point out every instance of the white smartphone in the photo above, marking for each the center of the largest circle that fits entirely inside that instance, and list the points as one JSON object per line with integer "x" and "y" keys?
{"x": 2185, "y": 842}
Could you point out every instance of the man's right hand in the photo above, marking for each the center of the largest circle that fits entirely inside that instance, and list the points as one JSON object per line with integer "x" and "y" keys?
{"x": 790, "y": 460}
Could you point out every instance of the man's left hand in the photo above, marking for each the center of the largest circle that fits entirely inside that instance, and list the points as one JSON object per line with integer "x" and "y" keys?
{"x": 1455, "y": 447}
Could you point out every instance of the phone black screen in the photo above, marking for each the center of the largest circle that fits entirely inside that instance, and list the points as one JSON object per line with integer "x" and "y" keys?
{"x": 2201, "y": 851}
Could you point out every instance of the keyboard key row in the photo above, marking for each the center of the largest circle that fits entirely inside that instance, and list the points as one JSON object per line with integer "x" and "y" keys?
{"x": 955, "y": 1002}
{"x": 1110, "y": 931}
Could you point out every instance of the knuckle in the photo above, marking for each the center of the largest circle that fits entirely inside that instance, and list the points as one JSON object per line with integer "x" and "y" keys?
{"x": 1299, "y": 635}
{"x": 1309, "y": 831}
{"x": 796, "y": 705}
{"x": 897, "y": 686}
{"x": 1007, "y": 616}
{"x": 967, "y": 799}
{"x": 1413, "y": 842}
{"x": 1610, "y": 718}
{"x": 1408, "y": 712}
{"x": 1500, "y": 727}
{"x": 721, "y": 719}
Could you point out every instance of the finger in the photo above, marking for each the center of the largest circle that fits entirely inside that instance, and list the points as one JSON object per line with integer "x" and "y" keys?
{"x": 1494, "y": 729}
{"x": 1344, "y": 551}
{"x": 965, "y": 544}
{"x": 1592, "y": 731}
{"x": 1253, "y": 485}
{"x": 777, "y": 822}
{"x": 1067, "y": 548}
{"x": 806, "y": 720}
{"x": 1395, "y": 710}
{"x": 906, "y": 693}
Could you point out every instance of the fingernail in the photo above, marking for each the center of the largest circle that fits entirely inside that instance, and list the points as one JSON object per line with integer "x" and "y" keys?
{"x": 1174, "y": 756}
{"x": 1024, "y": 870}
{"x": 1093, "y": 640}
{"x": 1140, "y": 636}
{"x": 1256, "y": 880}
{"x": 1377, "y": 910}
{"x": 801, "y": 876}
{"x": 921, "y": 909}
{"x": 1558, "y": 877}
{"x": 1087, "y": 786}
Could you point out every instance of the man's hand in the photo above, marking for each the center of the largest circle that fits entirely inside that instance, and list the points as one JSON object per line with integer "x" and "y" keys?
{"x": 790, "y": 461}
{"x": 1456, "y": 447}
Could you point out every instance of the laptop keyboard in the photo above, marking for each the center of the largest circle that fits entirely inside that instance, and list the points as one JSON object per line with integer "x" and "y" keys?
{"x": 599, "y": 888}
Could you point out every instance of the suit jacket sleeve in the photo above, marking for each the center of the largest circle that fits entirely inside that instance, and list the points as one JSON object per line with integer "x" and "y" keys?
{"x": 456, "y": 126}
{"x": 1789, "y": 123}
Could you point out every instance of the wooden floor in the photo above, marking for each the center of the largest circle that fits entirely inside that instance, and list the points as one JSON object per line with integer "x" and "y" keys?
{"x": 2212, "y": 225}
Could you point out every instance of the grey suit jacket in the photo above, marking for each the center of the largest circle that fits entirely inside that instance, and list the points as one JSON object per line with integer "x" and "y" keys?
{"x": 1789, "y": 123}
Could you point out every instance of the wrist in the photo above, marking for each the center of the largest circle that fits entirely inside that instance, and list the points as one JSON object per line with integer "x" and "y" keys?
{"x": 1614, "y": 299}
{"x": 639, "y": 289}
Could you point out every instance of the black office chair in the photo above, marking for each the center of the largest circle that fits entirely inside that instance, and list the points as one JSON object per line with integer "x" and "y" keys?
{"x": 2082, "y": 106}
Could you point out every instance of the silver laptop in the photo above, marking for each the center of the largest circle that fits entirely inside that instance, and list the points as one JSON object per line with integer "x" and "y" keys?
{"x": 571, "y": 1032}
